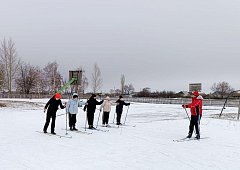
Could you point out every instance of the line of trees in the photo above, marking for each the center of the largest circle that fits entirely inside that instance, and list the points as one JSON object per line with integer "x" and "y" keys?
{"x": 24, "y": 78}
{"x": 220, "y": 90}
{"x": 21, "y": 77}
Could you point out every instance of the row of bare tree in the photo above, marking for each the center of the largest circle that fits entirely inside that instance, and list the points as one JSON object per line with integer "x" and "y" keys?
{"x": 21, "y": 77}
{"x": 16, "y": 75}
{"x": 26, "y": 78}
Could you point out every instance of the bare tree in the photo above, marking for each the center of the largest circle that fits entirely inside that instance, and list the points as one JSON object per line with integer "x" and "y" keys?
{"x": 27, "y": 79}
{"x": 222, "y": 89}
{"x": 1, "y": 76}
{"x": 146, "y": 92}
{"x": 122, "y": 83}
{"x": 10, "y": 61}
{"x": 40, "y": 86}
{"x": 84, "y": 81}
{"x": 96, "y": 79}
{"x": 52, "y": 76}
{"x": 128, "y": 89}
{"x": 115, "y": 92}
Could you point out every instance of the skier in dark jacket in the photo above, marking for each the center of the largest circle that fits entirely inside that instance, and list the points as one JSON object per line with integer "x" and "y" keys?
{"x": 91, "y": 107}
{"x": 119, "y": 109}
{"x": 52, "y": 107}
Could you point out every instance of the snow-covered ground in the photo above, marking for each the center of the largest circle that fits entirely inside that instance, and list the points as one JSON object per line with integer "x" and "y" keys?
{"x": 145, "y": 144}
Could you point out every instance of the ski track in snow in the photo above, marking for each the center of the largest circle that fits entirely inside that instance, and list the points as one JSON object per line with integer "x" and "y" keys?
{"x": 147, "y": 146}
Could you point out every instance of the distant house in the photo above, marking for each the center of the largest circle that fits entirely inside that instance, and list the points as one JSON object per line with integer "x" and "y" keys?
{"x": 183, "y": 94}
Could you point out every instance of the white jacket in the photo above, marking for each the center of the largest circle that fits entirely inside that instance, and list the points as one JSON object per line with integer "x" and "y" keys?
{"x": 106, "y": 105}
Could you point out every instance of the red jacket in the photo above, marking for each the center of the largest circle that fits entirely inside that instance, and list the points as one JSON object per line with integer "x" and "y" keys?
{"x": 196, "y": 106}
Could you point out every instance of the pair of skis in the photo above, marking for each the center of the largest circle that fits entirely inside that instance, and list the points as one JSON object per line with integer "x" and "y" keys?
{"x": 188, "y": 139}
{"x": 79, "y": 131}
{"x": 57, "y": 135}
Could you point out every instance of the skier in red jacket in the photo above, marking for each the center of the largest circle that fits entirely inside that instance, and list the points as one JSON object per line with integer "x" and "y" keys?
{"x": 196, "y": 114}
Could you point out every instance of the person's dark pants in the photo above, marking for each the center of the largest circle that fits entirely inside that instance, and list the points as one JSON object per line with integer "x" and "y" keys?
{"x": 72, "y": 120}
{"x": 49, "y": 116}
{"x": 90, "y": 117}
{"x": 105, "y": 117}
{"x": 195, "y": 122}
{"x": 119, "y": 114}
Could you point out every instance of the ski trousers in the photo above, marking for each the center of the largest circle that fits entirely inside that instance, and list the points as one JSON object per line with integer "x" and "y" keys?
{"x": 90, "y": 118}
{"x": 105, "y": 117}
{"x": 194, "y": 122}
{"x": 72, "y": 120}
{"x": 119, "y": 114}
{"x": 48, "y": 118}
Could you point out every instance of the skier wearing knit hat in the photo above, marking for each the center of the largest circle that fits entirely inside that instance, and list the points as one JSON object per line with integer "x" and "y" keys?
{"x": 196, "y": 113}
{"x": 52, "y": 107}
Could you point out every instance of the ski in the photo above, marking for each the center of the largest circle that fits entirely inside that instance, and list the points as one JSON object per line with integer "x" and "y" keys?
{"x": 79, "y": 131}
{"x": 60, "y": 136}
{"x": 123, "y": 125}
{"x": 188, "y": 139}
{"x": 112, "y": 126}
{"x": 99, "y": 130}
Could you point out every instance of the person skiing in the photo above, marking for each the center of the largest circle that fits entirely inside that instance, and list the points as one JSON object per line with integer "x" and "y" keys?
{"x": 72, "y": 110}
{"x": 196, "y": 113}
{"x": 106, "y": 106}
{"x": 119, "y": 109}
{"x": 90, "y": 107}
{"x": 52, "y": 107}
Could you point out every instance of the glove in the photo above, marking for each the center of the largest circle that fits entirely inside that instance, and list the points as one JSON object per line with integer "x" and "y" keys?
{"x": 128, "y": 104}
{"x": 183, "y": 106}
{"x": 44, "y": 110}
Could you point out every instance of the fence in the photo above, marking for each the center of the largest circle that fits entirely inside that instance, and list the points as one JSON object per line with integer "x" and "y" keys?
{"x": 206, "y": 102}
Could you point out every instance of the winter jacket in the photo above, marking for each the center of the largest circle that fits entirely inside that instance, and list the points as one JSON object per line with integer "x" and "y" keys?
{"x": 106, "y": 106}
{"x": 90, "y": 106}
{"x": 53, "y": 104}
{"x": 119, "y": 106}
{"x": 72, "y": 106}
{"x": 196, "y": 106}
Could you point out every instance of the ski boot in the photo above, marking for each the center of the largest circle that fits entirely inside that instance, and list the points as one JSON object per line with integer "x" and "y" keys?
{"x": 189, "y": 135}
{"x": 198, "y": 136}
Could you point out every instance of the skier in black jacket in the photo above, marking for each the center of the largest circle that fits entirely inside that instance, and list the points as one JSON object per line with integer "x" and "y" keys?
{"x": 91, "y": 107}
{"x": 119, "y": 109}
{"x": 52, "y": 107}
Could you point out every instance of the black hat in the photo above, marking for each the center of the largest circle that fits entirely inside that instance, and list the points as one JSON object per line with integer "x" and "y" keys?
{"x": 120, "y": 96}
{"x": 94, "y": 95}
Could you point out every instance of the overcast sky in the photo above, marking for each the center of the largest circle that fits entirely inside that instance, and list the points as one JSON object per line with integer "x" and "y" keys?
{"x": 161, "y": 44}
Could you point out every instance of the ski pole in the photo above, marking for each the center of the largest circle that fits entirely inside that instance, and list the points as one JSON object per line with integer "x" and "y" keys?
{"x": 114, "y": 117}
{"x": 86, "y": 122}
{"x": 126, "y": 116}
{"x": 66, "y": 121}
{"x": 189, "y": 118}
{"x": 187, "y": 114}
{"x": 98, "y": 118}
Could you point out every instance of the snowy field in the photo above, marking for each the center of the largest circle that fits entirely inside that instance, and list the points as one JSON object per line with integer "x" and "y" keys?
{"x": 146, "y": 143}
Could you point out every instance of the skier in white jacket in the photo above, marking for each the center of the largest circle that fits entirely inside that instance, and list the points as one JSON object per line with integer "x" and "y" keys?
{"x": 106, "y": 107}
